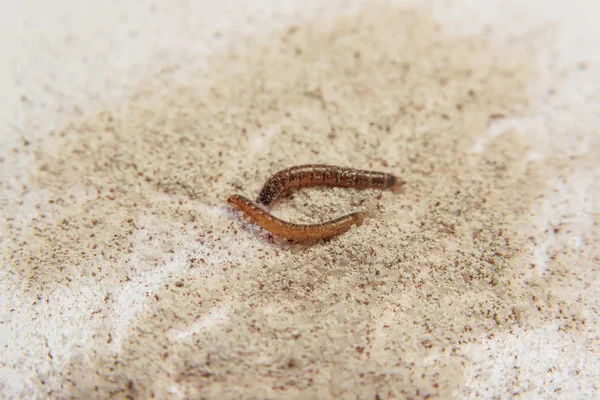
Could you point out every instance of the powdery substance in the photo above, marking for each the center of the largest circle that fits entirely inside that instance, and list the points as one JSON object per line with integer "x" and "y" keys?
{"x": 133, "y": 201}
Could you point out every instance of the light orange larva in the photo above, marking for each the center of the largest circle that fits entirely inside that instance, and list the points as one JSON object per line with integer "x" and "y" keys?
{"x": 297, "y": 232}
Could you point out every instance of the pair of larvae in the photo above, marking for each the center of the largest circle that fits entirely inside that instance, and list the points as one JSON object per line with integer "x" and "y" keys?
{"x": 311, "y": 175}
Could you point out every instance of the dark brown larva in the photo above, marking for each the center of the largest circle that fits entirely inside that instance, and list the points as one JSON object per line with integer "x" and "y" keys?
{"x": 292, "y": 231}
{"x": 324, "y": 175}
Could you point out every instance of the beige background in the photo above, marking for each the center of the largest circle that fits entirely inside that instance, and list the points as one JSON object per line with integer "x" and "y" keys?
{"x": 125, "y": 126}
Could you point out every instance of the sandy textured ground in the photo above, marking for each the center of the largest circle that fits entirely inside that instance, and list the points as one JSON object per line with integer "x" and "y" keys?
{"x": 125, "y": 274}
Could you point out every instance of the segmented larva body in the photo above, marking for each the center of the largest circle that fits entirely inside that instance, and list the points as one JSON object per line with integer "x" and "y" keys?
{"x": 298, "y": 232}
{"x": 324, "y": 175}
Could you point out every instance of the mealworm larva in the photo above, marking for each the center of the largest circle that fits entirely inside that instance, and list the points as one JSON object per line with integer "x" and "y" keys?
{"x": 298, "y": 232}
{"x": 324, "y": 175}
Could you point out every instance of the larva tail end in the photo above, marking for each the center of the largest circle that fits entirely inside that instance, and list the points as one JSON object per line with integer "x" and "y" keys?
{"x": 359, "y": 218}
{"x": 394, "y": 183}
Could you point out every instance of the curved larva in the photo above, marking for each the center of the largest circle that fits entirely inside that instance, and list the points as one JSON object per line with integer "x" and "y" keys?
{"x": 298, "y": 232}
{"x": 324, "y": 175}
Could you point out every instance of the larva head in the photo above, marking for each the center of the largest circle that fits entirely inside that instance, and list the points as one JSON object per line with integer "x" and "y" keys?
{"x": 268, "y": 193}
{"x": 236, "y": 201}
